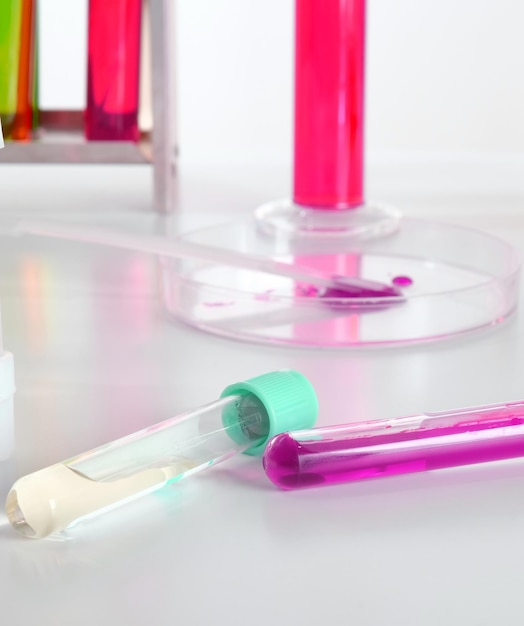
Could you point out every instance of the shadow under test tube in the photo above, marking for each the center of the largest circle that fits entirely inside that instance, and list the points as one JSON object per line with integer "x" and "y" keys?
{"x": 351, "y": 452}
{"x": 113, "y": 70}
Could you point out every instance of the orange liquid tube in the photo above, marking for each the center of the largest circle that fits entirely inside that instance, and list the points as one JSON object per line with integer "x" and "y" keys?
{"x": 23, "y": 120}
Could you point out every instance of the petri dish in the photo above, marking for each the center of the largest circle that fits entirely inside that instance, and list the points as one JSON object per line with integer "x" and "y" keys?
{"x": 452, "y": 281}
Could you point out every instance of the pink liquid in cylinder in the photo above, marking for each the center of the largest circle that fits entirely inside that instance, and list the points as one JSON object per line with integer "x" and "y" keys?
{"x": 113, "y": 70}
{"x": 329, "y": 103}
{"x": 339, "y": 454}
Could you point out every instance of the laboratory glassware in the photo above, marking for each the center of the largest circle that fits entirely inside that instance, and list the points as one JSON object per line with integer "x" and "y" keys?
{"x": 416, "y": 443}
{"x": 246, "y": 415}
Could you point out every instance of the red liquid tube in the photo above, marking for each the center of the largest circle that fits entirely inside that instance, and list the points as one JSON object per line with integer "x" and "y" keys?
{"x": 329, "y": 103}
{"x": 351, "y": 452}
{"x": 113, "y": 70}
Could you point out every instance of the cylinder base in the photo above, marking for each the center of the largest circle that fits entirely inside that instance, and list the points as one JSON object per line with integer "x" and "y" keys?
{"x": 293, "y": 220}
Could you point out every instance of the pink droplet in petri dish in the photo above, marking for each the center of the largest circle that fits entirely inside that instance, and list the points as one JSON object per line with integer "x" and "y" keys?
{"x": 402, "y": 281}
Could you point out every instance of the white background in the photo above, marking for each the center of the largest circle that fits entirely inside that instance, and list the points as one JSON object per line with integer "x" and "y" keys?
{"x": 444, "y": 76}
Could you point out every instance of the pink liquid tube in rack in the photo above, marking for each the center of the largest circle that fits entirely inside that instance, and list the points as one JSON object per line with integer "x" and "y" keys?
{"x": 329, "y": 103}
{"x": 113, "y": 70}
{"x": 351, "y": 452}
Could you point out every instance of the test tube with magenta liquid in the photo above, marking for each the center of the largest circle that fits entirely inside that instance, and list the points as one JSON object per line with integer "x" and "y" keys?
{"x": 113, "y": 70}
{"x": 247, "y": 415}
{"x": 417, "y": 443}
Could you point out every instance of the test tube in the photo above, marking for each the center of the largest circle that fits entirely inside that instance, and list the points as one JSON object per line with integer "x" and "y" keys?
{"x": 247, "y": 415}
{"x": 23, "y": 120}
{"x": 113, "y": 69}
{"x": 417, "y": 443}
{"x": 10, "y": 30}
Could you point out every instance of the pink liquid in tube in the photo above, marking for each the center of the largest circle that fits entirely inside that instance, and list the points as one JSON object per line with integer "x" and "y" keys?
{"x": 329, "y": 103}
{"x": 113, "y": 70}
{"x": 352, "y": 452}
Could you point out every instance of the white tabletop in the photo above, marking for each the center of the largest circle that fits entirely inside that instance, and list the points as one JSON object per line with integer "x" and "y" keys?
{"x": 97, "y": 357}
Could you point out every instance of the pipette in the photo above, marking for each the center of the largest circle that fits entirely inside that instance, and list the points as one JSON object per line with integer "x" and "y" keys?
{"x": 245, "y": 417}
{"x": 368, "y": 292}
{"x": 351, "y": 452}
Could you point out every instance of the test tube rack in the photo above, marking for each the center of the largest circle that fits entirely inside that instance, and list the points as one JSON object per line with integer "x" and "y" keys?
{"x": 60, "y": 137}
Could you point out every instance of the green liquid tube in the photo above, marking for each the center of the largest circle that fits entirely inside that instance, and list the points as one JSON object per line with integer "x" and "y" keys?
{"x": 10, "y": 29}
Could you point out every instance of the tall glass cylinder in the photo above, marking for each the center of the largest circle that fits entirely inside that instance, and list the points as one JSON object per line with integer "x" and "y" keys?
{"x": 113, "y": 70}
{"x": 329, "y": 103}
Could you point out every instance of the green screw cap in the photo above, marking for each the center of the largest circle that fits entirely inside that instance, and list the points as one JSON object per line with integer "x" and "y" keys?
{"x": 288, "y": 398}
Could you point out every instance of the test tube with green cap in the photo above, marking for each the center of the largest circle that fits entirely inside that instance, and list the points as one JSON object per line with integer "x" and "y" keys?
{"x": 243, "y": 419}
